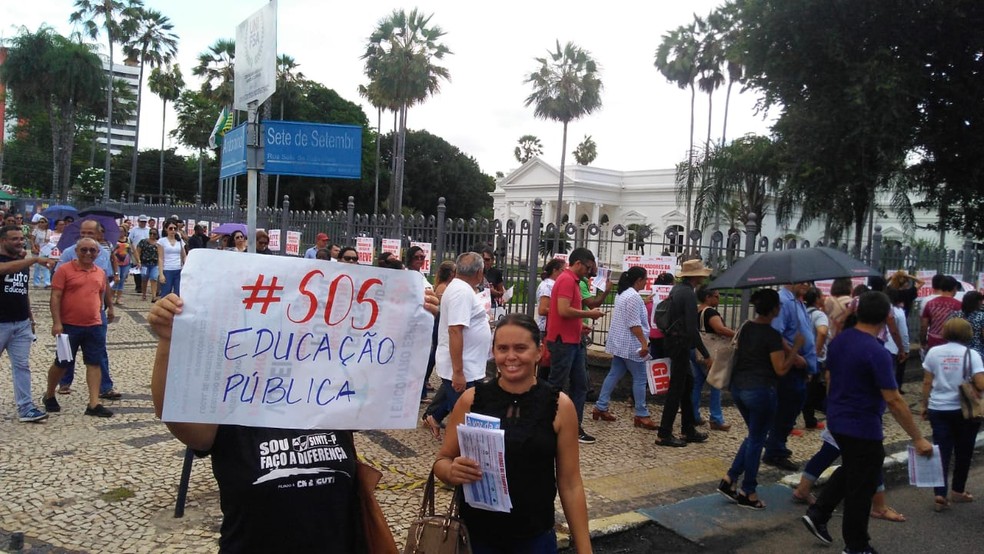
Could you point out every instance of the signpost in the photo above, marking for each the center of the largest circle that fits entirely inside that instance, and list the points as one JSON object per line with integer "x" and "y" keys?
{"x": 233, "y": 153}
{"x": 312, "y": 149}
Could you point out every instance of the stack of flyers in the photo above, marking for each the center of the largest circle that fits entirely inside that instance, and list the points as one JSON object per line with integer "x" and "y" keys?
{"x": 481, "y": 439}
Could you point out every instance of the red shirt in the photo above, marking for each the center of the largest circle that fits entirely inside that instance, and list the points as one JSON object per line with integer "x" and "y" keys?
{"x": 565, "y": 329}
{"x": 937, "y": 311}
{"x": 82, "y": 293}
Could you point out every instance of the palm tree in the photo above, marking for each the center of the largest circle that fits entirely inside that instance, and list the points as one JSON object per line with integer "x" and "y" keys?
{"x": 725, "y": 24}
{"x": 153, "y": 43}
{"x": 565, "y": 88}
{"x": 286, "y": 76}
{"x": 47, "y": 72}
{"x": 113, "y": 14}
{"x": 676, "y": 59}
{"x": 167, "y": 85}
{"x": 586, "y": 152}
{"x": 196, "y": 114}
{"x": 529, "y": 148}
{"x": 400, "y": 63}
{"x": 217, "y": 66}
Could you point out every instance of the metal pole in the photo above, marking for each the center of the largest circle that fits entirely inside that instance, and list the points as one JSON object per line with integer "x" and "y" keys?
{"x": 441, "y": 239}
{"x": 751, "y": 230}
{"x": 252, "y": 171}
{"x": 533, "y": 257}
{"x": 179, "y": 503}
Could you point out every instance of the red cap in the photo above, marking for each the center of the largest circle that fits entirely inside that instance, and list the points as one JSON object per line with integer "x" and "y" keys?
{"x": 322, "y": 236}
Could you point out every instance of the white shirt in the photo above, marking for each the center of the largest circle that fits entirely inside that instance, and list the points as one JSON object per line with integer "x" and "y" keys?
{"x": 820, "y": 319}
{"x": 137, "y": 234}
{"x": 460, "y": 305}
{"x": 172, "y": 254}
{"x": 629, "y": 312}
{"x": 903, "y": 328}
{"x": 946, "y": 363}
{"x": 543, "y": 289}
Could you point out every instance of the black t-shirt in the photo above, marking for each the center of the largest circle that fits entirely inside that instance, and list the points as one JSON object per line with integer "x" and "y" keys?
{"x": 14, "y": 303}
{"x": 753, "y": 365}
{"x": 284, "y": 490}
{"x": 707, "y": 314}
{"x": 494, "y": 278}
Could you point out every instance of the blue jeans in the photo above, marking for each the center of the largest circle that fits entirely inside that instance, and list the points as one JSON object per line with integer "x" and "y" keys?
{"x": 451, "y": 397}
{"x": 172, "y": 282}
{"x": 792, "y": 394}
{"x": 569, "y": 362}
{"x": 621, "y": 366}
{"x": 545, "y": 543}
{"x": 16, "y": 338}
{"x": 124, "y": 270}
{"x": 42, "y": 274}
{"x": 106, "y": 382}
{"x": 955, "y": 437}
{"x": 700, "y": 377}
{"x": 758, "y": 408}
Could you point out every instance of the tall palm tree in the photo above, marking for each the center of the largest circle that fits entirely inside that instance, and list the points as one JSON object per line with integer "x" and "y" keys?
{"x": 217, "y": 66}
{"x": 286, "y": 77}
{"x": 48, "y": 72}
{"x": 566, "y": 87}
{"x": 709, "y": 62}
{"x": 112, "y": 14}
{"x": 196, "y": 115}
{"x": 725, "y": 23}
{"x": 400, "y": 61}
{"x": 167, "y": 85}
{"x": 152, "y": 43}
{"x": 529, "y": 147}
{"x": 676, "y": 59}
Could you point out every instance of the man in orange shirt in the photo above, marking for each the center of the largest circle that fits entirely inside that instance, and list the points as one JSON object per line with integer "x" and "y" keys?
{"x": 78, "y": 291}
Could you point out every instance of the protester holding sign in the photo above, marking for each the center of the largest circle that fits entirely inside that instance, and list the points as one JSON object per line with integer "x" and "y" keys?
{"x": 281, "y": 490}
{"x": 541, "y": 450}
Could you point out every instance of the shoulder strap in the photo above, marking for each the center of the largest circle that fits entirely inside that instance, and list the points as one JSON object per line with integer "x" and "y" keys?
{"x": 966, "y": 365}
{"x": 700, "y": 320}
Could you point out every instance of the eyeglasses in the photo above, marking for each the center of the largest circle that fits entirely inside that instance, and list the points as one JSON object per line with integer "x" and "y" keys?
{"x": 262, "y": 242}
{"x": 88, "y": 250}
{"x": 172, "y": 228}
{"x": 239, "y": 237}
{"x": 350, "y": 258}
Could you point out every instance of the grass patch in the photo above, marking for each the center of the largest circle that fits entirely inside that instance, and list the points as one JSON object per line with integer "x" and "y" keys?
{"x": 118, "y": 494}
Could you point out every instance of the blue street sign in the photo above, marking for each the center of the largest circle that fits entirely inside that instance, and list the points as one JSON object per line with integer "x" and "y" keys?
{"x": 233, "y": 153}
{"x": 312, "y": 149}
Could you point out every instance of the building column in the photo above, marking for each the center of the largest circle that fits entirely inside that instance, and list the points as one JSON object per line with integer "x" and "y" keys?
{"x": 572, "y": 212}
{"x": 595, "y": 216}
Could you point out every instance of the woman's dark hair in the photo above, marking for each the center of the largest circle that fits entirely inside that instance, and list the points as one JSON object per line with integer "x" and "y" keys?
{"x": 703, "y": 292}
{"x": 859, "y": 290}
{"x": 950, "y": 284}
{"x": 410, "y": 253}
{"x": 519, "y": 320}
{"x": 877, "y": 282}
{"x": 937, "y": 281}
{"x": 391, "y": 262}
{"x": 552, "y": 265}
{"x": 811, "y": 296}
{"x": 344, "y": 249}
{"x": 841, "y": 287}
{"x": 444, "y": 271}
{"x": 765, "y": 300}
{"x": 971, "y": 302}
{"x": 664, "y": 279}
{"x": 629, "y": 277}
{"x": 894, "y": 295}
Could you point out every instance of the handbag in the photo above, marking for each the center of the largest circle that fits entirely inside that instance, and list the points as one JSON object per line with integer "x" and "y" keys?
{"x": 971, "y": 400}
{"x": 723, "y": 363}
{"x": 375, "y": 535}
{"x": 714, "y": 342}
{"x": 433, "y": 533}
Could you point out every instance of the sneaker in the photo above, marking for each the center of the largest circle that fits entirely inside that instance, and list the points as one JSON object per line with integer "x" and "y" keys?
{"x": 111, "y": 394}
{"x": 33, "y": 415}
{"x": 781, "y": 463}
{"x": 50, "y": 405}
{"x": 98, "y": 411}
{"x": 867, "y": 550}
{"x": 819, "y": 530}
{"x": 695, "y": 436}
{"x": 584, "y": 438}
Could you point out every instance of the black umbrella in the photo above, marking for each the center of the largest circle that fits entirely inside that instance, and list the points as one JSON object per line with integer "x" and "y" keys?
{"x": 102, "y": 210}
{"x": 791, "y": 266}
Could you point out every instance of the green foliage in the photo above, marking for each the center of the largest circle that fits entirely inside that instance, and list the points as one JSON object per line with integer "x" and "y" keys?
{"x": 217, "y": 67}
{"x": 586, "y": 152}
{"x": 89, "y": 184}
{"x": 529, "y": 148}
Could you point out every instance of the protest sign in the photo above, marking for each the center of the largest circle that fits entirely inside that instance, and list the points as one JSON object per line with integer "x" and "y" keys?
{"x": 364, "y": 247}
{"x": 654, "y": 265}
{"x": 299, "y": 344}
{"x": 658, "y": 375}
{"x": 392, "y": 246}
{"x": 274, "y": 235}
{"x": 426, "y": 247}
{"x": 293, "y": 245}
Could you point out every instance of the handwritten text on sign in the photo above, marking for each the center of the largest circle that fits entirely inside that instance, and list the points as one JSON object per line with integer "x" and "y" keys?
{"x": 305, "y": 345}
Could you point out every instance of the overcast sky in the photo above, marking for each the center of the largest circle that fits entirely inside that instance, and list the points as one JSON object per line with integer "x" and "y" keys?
{"x": 643, "y": 123}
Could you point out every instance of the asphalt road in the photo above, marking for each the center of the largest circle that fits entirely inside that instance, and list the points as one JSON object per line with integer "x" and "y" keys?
{"x": 955, "y": 531}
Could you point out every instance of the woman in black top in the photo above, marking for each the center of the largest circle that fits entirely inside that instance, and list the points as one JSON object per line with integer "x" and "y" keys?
{"x": 540, "y": 434}
{"x": 761, "y": 358}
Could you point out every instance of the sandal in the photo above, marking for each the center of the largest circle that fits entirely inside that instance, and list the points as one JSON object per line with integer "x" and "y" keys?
{"x": 940, "y": 503}
{"x": 961, "y": 497}
{"x": 745, "y": 502}
{"x": 726, "y": 490}
{"x": 433, "y": 425}
{"x": 888, "y": 514}
{"x": 65, "y": 389}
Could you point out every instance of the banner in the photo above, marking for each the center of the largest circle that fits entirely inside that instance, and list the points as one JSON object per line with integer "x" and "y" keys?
{"x": 654, "y": 265}
{"x": 658, "y": 375}
{"x": 274, "y": 235}
{"x": 299, "y": 344}
{"x": 392, "y": 246}
{"x": 293, "y": 245}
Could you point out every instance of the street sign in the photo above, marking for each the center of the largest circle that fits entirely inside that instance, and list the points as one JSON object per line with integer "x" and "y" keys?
{"x": 312, "y": 149}
{"x": 256, "y": 57}
{"x": 233, "y": 153}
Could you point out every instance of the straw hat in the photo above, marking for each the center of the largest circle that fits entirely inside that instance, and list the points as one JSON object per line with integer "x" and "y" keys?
{"x": 693, "y": 268}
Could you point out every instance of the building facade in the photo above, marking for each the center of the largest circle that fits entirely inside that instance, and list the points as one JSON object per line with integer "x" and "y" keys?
{"x": 124, "y": 134}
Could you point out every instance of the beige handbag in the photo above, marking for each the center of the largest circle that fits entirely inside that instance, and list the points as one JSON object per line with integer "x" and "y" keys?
{"x": 971, "y": 400}
{"x": 719, "y": 374}
{"x": 438, "y": 534}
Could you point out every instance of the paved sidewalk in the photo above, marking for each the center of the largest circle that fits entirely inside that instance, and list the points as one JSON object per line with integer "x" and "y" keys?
{"x": 77, "y": 483}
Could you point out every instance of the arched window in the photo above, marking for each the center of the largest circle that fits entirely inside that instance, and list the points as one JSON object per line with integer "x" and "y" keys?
{"x": 674, "y": 244}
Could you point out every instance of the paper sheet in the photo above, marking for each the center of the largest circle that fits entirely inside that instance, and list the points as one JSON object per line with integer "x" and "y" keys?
{"x": 600, "y": 280}
{"x": 487, "y": 447}
{"x": 507, "y": 295}
{"x": 923, "y": 471}
{"x": 63, "y": 349}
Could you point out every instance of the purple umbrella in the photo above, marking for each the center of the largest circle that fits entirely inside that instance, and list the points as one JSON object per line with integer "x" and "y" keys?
{"x": 71, "y": 233}
{"x": 230, "y": 228}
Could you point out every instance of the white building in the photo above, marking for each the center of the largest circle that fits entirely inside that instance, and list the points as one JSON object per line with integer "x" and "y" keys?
{"x": 606, "y": 196}
{"x": 124, "y": 134}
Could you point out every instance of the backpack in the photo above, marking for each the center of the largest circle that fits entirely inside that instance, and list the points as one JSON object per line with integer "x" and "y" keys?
{"x": 661, "y": 316}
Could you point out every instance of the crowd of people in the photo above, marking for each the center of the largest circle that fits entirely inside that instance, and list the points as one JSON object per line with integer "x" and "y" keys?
{"x": 803, "y": 352}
